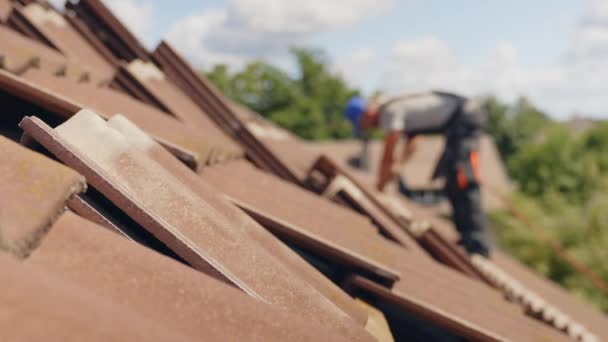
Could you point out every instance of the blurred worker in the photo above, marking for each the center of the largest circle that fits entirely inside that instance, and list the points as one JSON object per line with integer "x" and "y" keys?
{"x": 461, "y": 121}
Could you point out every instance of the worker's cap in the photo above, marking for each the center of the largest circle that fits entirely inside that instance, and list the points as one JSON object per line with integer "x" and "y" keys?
{"x": 355, "y": 108}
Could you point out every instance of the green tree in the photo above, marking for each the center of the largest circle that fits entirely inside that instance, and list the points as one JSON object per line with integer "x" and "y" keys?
{"x": 514, "y": 127}
{"x": 562, "y": 181}
{"x": 560, "y": 164}
{"x": 260, "y": 86}
{"x": 309, "y": 103}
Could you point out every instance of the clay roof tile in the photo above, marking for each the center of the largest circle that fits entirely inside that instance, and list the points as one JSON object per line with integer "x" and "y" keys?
{"x": 176, "y": 216}
{"x": 34, "y": 191}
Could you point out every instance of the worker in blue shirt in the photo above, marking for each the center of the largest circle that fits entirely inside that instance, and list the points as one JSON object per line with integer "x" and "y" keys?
{"x": 460, "y": 120}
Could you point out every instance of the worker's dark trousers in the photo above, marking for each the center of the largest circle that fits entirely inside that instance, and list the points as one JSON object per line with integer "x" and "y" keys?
{"x": 469, "y": 218}
{"x": 364, "y": 159}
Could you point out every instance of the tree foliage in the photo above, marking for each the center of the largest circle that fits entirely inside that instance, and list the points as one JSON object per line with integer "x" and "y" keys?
{"x": 562, "y": 183}
{"x": 309, "y": 103}
{"x": 513, "y": 127}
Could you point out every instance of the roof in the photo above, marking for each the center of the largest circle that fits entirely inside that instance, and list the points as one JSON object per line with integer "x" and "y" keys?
{"x": 85, "y": 301}
{"x": 56, "y": 308}
{"x": 149, "y": 84}
{"x": 22, "y": 53}
{"x": 555, "y": 295}
{"x": 288, "y": 148}
{"x": 235, "y": 217}
{"x": 189, "y": 226}
{"x": 65, "y": 97}
{"x": 119, "y": 271}
{"x": 50, "y": 27}
{"x": 361, "y": 246}
{"x": 109, "y": 30}
{"x": 178, "y": 235}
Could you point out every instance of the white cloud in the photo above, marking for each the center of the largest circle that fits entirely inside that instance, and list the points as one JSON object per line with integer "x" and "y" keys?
{"x": 560, "y": 88}
{"x": 357, "y": 67}
{"x": 577, "y": 83}
{"x": 592, "y": 37}
{"x": 246, "y": 29}
{"x": 302, "y": 17}
{"x": 59, "y": 4}
{"x": 137, "y": 15}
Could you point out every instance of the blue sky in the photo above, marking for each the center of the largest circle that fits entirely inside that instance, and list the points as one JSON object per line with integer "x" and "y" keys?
{"x": 554, "y": 52}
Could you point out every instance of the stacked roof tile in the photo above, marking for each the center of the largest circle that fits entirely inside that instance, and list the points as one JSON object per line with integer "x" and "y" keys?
{"x": 142, "y": 204}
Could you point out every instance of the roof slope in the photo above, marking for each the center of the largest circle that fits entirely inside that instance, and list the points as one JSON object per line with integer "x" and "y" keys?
{"x": 236, "y": 218}
{"x": 161, "y": 289}
{"x": 180, "y": 219}
{"x": 61, "y": 35}
{"x": 60, "y": 310}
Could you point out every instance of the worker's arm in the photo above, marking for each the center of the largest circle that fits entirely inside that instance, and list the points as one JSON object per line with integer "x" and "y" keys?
{"x": 385, "y": 173}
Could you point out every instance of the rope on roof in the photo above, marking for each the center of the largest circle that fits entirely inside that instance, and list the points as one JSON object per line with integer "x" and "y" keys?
{"x": 553, "y": 244}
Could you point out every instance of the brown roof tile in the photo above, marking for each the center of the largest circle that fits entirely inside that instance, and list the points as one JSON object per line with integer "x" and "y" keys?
{"x": 391, "y": 215}
{"x": 300, "y": 201}
{"x": 533, "y": 302}
{"x": 109, "y": 29}
{"x": 328, "y": 178}
{"x": 20, "y": 88}
{"x": 176, "y": 216}
{"x": 162, "y": 93}
{"x": 84, "y": 209}
{"x": 162, "y": 290}
{"x": 442, "y": 225}
{"x": 306, "y": 219}
{"x": 60, "y": 33}
{"x": 65, "y": 97}
{"x": 20, "y": 53}
{"x": 34, "y": 192}
{"x": 555, "y": 295}
{"x": 469, "y": 317}
{"x": 446, "y": 251}
{"x": 39, "y": 306}
{"x": 289, "y": 150}
{"x": 430, "y": 236}
{"x": 463, "y": 298}
{"x": 414, "y": 270}
{"x": 377, "y": 324}
{"x": 287, "y": 147}
{"x": 192, "y": 84}
{"x": 237, "y": 218}
{"x": 210, "y": 99}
